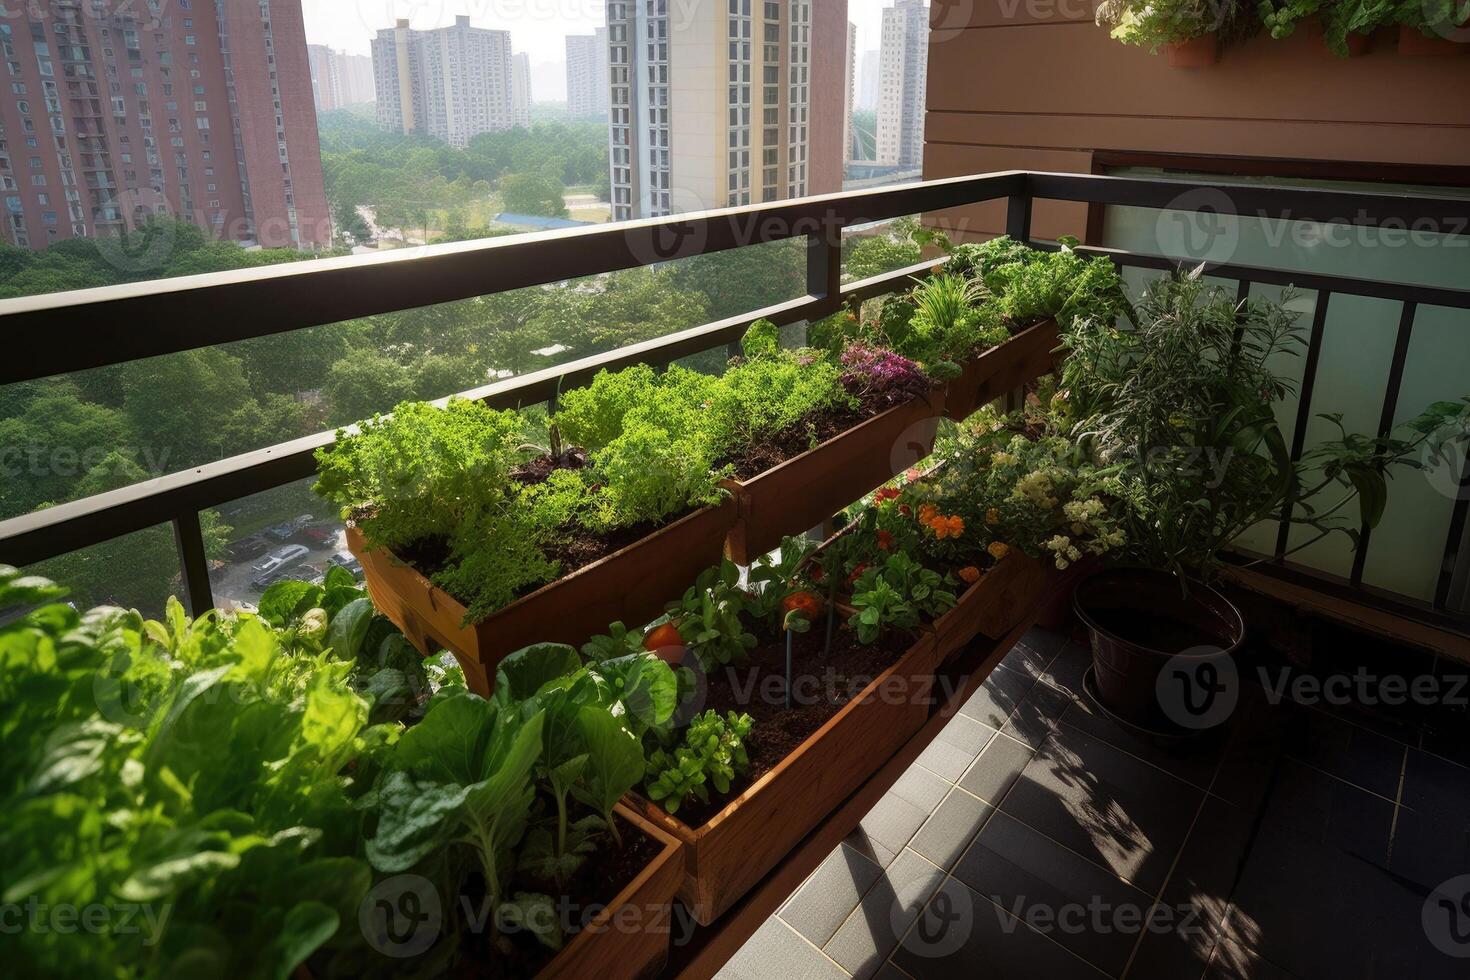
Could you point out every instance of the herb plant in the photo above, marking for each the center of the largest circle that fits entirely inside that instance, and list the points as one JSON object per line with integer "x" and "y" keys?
{"x": 898, "y": 594}
{"x": 711, "y": 757}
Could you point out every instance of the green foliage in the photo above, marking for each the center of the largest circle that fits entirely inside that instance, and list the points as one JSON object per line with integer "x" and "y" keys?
{"x": 533, "y": 194}
{"x": 762, "y": 337}
{"x": 1155, "y": 23}
{"x": 1059, "y": 284}
{"x": 195, "y": 767}
{"x": 899, "y": 594}
{"x": 711, "y": 757}
{"x": 949, "y": 322}
{"x": 710, "y": 618}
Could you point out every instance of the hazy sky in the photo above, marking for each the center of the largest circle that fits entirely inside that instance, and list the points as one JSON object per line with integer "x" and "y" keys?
{"x": 537, "y": 27}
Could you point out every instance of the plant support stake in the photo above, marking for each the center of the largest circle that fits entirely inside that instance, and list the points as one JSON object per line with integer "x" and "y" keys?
{"x": 788, "y": 668}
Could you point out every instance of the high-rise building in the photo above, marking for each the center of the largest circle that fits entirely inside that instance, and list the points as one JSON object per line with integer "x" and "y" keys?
{"x": 903, "y": 74}
{"x": 710, "y": 108}
{"x": 868, "y": 81}
{"x": 117, "y": 116}
{"x": 587, "y": 82}
{"x": 339, "y": 79}
{"x": 847, "y": 153}
{"x": 452, "y": 83}
{"x": 520, "y": 90}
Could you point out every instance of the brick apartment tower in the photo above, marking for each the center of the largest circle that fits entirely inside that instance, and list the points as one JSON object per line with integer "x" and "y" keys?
{"x": 721, "y": 104}
{"x": 204, "y": 113}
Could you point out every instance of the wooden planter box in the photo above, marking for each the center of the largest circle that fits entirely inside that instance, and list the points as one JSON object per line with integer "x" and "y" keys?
{"x": 993, "y": 606}
{"x": 632, "y": 585}
{"x": 629, "y": 939}
{"x": 1025, "y": 356}
{"x": 730, "y": 854}
{"x": 801, "y": 493}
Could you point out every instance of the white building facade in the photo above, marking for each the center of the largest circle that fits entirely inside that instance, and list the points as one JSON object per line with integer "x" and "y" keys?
{"x": 452, "y": 83}
{"x": 587, "y": 77}
{"x": 902, "y": 74}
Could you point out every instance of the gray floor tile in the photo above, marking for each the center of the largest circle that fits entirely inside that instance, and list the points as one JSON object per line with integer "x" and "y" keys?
{"x": 998, "y": 697}
{"x": 890, "y": 825}
{"x": 1067, "y": 668}
{"x": 962, "y": 936}
{"x": 777, "y": 951}
{"x": 1038, "y": 715}
{"x": 1436, "y": 786}
{"x": 830, "y": 894}
{"x": 922, "y": 788}
{"x": 1113, "y": 809}
{"x": 1064, "y": 897}
{"x": 951, "y": 753}
{"x": 1356, "y": 755}
{"x": 1034, "y": 652}
{"x": 1331, "y": 811}
{"x": 1231, "y": 961}
{"x": 996, "y": 770}
{"x": 1427, "y": 849}
{"x": 951, "y": 828}
{"x": 885, "y": 914}
{"x": 1193, "y": 760}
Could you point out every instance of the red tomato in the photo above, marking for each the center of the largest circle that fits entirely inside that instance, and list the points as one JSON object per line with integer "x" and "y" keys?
{"x": 809, "y": 605}
{"x": 662, "y": 638}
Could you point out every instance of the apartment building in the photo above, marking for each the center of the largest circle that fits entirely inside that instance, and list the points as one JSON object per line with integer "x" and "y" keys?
{"x": 723, "y": 103}
{"x": 902, "y": 76}
{"x": 339, "y": 79}
{"x": 520, "y": 90}
{"x": 202, "y": 113}
{"x": 587, "y": 79}
{"x": 452, "y": 83}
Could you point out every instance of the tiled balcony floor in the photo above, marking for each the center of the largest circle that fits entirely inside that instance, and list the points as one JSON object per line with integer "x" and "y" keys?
{"x": 1037, "y": 839}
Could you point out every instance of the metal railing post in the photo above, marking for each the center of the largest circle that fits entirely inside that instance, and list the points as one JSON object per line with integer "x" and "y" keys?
{"x": 824, "y": 269}
{"x": 194, "y": 563}
{"x": 1018, "y": 215}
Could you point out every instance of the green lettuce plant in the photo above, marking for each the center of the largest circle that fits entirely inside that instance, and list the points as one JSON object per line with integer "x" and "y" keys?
{"x": 711, "y": 757}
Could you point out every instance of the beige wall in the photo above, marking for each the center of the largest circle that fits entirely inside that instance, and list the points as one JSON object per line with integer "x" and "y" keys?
{"x": 1034, "y": 84}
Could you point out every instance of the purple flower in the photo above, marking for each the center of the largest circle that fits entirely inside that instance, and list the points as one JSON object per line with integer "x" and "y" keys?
{"x": 878, "y": 374}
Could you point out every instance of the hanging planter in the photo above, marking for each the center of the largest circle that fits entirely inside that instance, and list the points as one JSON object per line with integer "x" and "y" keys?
{"x": 1025, "y": 356}
{"x": 630, "y": 585}
{"x": 730, "y": 852}
{"x": 806, "y": 490}
{"x": 629, "y": 938}
{"x": 1197, "y": 52}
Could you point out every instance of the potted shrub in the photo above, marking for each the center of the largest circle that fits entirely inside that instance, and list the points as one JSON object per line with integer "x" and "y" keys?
{"x": 1183, "y": 408}
{"x": 1344, "y": 26}
{"x": 472, "y": 540}
{"x": 783, "y": 713}
{"x": 1431, "y": 28}
{"x": 1192, "y": 31}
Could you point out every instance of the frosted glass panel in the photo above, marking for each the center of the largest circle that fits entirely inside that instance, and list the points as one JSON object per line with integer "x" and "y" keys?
{"x": 1352, "y": 374}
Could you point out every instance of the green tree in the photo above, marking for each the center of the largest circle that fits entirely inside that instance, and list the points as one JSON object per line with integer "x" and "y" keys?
{"x": 364, "y": 383}
{"x": 47, "y": 448}
{"x": 180, "y": 404}
{"x": 534, "y": 193}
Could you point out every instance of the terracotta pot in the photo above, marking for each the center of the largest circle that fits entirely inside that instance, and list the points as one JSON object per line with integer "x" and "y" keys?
{"x": 1005, "y": 595}
{"x": 1024, "y": 357}
{"x": 1197, "y": 52}
{"x": 1140, "y": 621}
{"x": 629, "y": 939}
{"x": 631, "y": 585}
{"x": 1413, "y": 43}
{"x": 729, "y": 854}
{"x": 804, "y": 491}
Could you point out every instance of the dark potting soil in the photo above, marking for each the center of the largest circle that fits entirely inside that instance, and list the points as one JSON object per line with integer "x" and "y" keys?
{"x": 1156, "y": 629}
{"x": 605, "y": 874}
{"x": 821, "y": 686}
{"x": 813, "y": 430}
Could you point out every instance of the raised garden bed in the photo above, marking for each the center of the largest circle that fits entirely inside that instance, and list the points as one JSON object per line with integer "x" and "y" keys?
{"x": 806, "y": 490}
{"x": 729, "y": 850}
{"x": 1005, "y": 595}
{"x": 630, "y": 585}
{"x": 1001, "y": 369}
{"x": 629, "y": 938}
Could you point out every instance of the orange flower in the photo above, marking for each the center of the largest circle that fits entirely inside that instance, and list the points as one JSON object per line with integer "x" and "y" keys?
{"x": 956, "y": 526}
{"x": 927, "y": 513}
{"x": 998, "y": 550}
{"x": 970, "y": 574}
{"x": 992, "y": 516}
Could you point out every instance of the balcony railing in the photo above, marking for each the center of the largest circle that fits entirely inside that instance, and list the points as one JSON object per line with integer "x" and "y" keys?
{"x": 63, "y": 332}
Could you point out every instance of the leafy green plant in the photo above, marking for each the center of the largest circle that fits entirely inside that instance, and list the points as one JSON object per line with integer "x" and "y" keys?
{"x": 762, "y": 338}
{"x": 711, "y": 757}
{"x": 775, "y": 578}
{"x": 711, "y": 617}
{"x": 1155, "y": 23}
{"x": 1433, "y": 18}
{"x": 1183, "y": 405}
{"x": 898, "y": 594}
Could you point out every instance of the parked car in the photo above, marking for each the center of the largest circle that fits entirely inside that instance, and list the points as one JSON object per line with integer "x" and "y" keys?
{"x": 347, "y": 560}
{"x": 318, "y": 535}
{"x": 279, "y": 559}
{"x": 248, "y": 547}
{"x": 289, "y": 529}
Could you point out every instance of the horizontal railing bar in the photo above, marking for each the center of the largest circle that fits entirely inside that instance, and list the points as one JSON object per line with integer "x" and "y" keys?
{"x": 55, "y": 333}
{"x": 1320, "y": 282}
{"x": 1444, "y": 215}
{"x": 66, "y": 527}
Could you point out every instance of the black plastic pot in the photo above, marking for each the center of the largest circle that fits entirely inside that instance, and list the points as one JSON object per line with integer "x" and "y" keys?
{"x": 1139, "y": 621}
